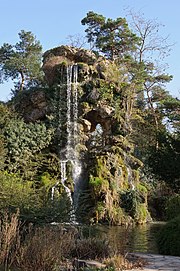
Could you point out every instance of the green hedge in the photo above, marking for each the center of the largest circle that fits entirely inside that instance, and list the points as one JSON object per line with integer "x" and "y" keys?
{"x": 168, "y": 239}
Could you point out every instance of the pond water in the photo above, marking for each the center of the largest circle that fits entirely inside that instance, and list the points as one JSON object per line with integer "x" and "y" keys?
{"x": 141, "y": 238}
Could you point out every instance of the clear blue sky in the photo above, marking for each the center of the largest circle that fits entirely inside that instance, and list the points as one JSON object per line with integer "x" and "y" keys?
{"x": 51, "y": 21}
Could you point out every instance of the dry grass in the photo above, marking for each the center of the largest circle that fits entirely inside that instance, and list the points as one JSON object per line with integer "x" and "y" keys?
{"x": 53, "y": 248}
{"x": 45, "y": 248}
{"x": 91, "y": 248}
{"x": 118, "y": 262}
{"x": 9, "y": 238}
{"x": 123, "y": 262}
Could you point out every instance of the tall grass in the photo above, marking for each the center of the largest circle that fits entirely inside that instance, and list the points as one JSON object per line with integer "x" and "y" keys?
{"x": 49, "y": 248}
{"x": 45, "y": 248}
{"x": 9, "y": 238}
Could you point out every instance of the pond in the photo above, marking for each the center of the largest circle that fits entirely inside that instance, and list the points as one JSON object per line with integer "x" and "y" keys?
{"x": 139, "y": 238}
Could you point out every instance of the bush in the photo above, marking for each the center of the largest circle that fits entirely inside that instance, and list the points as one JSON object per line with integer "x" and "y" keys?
{"x": 168, "y": 239}
{"x": 91, "y": 248}
{"x": 16, "y": 194}
{"x": 34, "y": 206}
{"x": 173, "y": 207}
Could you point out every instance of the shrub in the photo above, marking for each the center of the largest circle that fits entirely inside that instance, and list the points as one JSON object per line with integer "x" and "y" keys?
{"x": 16, "y": 194}
{"x": 91, "y": 248}
{"x": 168, "y": 239}
{"x": 173, "y": 207}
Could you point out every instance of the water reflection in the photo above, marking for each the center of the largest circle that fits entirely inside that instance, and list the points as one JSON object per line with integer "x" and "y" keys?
{"x": 139, "y": 238}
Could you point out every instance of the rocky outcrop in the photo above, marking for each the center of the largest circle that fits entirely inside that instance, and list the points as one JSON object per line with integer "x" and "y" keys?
{"x": 92, "y": 71}
{"x": 32, "y": 105}
{"x": 89, "y": 65}
{"x": 55, "y": 58}
{"x": 110, "y": 170}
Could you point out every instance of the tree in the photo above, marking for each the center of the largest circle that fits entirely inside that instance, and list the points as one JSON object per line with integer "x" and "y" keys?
{"x": 77, "y": 40}
{"x": 150, "y": 50}
{"x": 23, "y": 141}
{"x": 113, "y": 38}
{"x": 171, "y": 110}
{"x": 151, "y": 45}
{"x": 21, "y": 62}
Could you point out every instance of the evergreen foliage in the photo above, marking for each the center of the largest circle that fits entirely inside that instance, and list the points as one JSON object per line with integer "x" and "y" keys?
{"x": 22, "y": 62}
{"x": 111, "y": 37}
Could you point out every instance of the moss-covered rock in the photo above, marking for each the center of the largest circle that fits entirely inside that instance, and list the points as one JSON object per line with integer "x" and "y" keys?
{"x": 111, "y": 171}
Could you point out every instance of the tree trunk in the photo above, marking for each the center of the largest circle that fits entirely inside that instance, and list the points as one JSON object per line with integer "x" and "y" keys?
{"x": 21, "y": 87}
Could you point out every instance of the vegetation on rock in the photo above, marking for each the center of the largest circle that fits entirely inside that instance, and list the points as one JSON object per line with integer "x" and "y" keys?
{"x": 126, "y": 148}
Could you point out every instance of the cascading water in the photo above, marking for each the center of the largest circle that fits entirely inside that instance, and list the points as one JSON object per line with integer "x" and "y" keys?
{"x": 129, "y": 172}
{"x": 64, "y": 178}
{"x": 130, "y": 178}
{"x": 68, "y": 152}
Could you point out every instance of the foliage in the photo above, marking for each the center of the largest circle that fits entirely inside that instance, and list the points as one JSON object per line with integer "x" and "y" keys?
{"x": 99, "y": 185}
{"x": 23, "y": 141}
{"x": 119, "y": 262}
{"x": 16, "y": 194}
{"x": 168, "y": 239}
{"x": 134, "y": 203}
{"x": 164, "y": 161}
{"x": 173, "y": 207}
{"x": 111, "y": 37}
{"x": 21, "y": 62}
{"x": 170, "y": 108}
{"x": 5, "y": 115}
{"x": 34, "y": 203}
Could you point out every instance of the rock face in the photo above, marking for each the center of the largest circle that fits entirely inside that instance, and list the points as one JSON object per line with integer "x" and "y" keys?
{"x": 55, "y": 58}
{"x": 111, "y": 172}
{"x": 33, "y": 105}
{"x": 91, "y": 71}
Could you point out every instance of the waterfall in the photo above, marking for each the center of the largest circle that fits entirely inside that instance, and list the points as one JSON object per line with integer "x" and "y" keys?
{"x": 72, "y": 112}
{"x": 68, "y": 152}
{"x": 130, "y": 178}
{"x": 64, "y": 178}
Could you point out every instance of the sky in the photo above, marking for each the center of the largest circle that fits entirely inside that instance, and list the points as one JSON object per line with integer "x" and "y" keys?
{"x": 52, "y": 21}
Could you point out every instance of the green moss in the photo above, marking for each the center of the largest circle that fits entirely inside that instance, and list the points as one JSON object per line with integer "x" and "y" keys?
{"x": 98, "y": 184}
{"x": 81, "y": 65}
{"x": 100, "y": 211}
{"x": 136, "y": 177}
{"x": 101, "y": 167}
{"x": 116, "y": 216}
{"x": 85, "y": 107}
{"x": 141, "y": 215}
{"x": 141, "y": 188}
